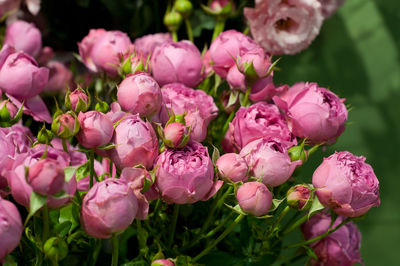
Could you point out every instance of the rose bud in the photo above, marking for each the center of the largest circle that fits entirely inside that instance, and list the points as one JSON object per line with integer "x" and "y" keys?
{"x": 136, "y": 143}
{"x": 140, "y": 94}
{"x": 10, "y": 228}
{"x": 186, "y": 175}
{"x": 254, "y": 198}
{"x": 183, "y": 61}
{"x": 199, "y": 108}
{"x": 258, "y": 121}
{"x": 346, "y": 184}
{"x": 341, "y": 247}
{"x": 232, "y": 167}
{"x": 313, "y": 112}
{"x": 135, "y": 178}
{"x": 162, "y": 262}
{"x": 20, "y": 75}
{"x": 329, "y": 7}
{"x": 132, "y": 64}
{"x": 298, "y": 197}
{"x": 96, "y": 129}
{"x": 145, "y": 45}
{"x": 172, "y": 20}
{"x": 101, "y": 50}
{"x": 184, "y": 7}
{"x": 77, "y": 101}
{"x": 60, "y": 77}
{"x": 24, "y": 36}
{"x": 46, "y": 177}
{"x": 228, "y": 46}
{"x": 221, "y": 7}
{"x": 20, "y": 188}
{"x": 268, "y": 159}
{"x": 65, "y": 125}
{"x": 109, "y": 207}
{"x": 175, "y": 135}
{"x": 282, "y": 27}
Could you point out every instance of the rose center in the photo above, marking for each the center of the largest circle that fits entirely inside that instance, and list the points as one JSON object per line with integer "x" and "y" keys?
{"x": 288, "y": 25}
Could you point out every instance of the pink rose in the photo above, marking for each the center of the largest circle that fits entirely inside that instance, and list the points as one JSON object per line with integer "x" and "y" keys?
{"x": 258, "y": 121}
{"x": 10, "y": 228}
{"x": 298, "y": 197}
{"x": 145, "y": 45}
{"x": 102, "y": 50}
{"x": 254, "y": 198}
{"x": 21, "y": 190}
{"x": 186, "y": 175}
{"x": 134, "y": 177}
{"x": 313, "y": 112}
{"x": 183, "y": 61}
{"x": 285, "y": 27}
{"x": 19, "y": 136}
{"x": 268, "y": 159}
{"x": 341, "y": 247}
{"x": 162, "y": 262}
{"x": 20, "y": 75}
{"x": 199, "y": 107}
{"x": 136, "y": 143}
{"x": 174, "y": 133}
{"x": 109, "y": 207}
{"x": 346, "y": 184}
{"x": 232, "y": 167}
{"x": 9, "y": 6}
{"x": 227, "y": 47}
{"x": 77, "y": 96}
{"x": 46, "y": 176}
{"x": 34, "y": 107}
{"x": 24, "y": 36}
{"x": 140, "y": 94}
{"x": 60, "y": 77}
{"x": 96, "y": 129}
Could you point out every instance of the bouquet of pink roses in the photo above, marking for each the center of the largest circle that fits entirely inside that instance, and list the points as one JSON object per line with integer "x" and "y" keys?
{"x": 160, "y": 154}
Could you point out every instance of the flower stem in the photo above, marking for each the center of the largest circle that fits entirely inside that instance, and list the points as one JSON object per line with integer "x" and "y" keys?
{"x": 297, "y": 224}
{"x": 226, "y": 125}
{"x": 114, "y": 261}
{"x": 219, "y": 27}
{"x": 173, "y": 225}
{"x": 320, "y": 236}
{"x": 246, "y": 96}
{"x": 277, "y": 221}
{"x": 64, "y": 144}
{"x": 174, "y": 36}
{"x": 216, "y": 229}
{"x": 189, "y": 29}
{"x": 222, "y": 236}
{"x": 46, "y": 229}
{"x": 91, "y": 168}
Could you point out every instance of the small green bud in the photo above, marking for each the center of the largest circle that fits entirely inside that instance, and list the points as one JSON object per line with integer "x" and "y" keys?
{"x": 184, "y": 7}
{"x": 173, "y": 20}
{"x": 298, "y": 153}
{"x": 65, "y": 125}
{"x": 102, "y": 106}
{"x": 45, "y": 136}
{"x": 299, "y": 197}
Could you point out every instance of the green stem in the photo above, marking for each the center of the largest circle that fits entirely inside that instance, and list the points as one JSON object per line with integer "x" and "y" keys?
{"x": 219, "y": 27}
{"x": 320, "y": 236}
{"x": 246, "y": 31}
{"x": 46, "y": 229}
{"x": 226, "y": 125}
{"x": 114, "y": 261}
{"x": 91, "y": 168}
{"x": 293, "y": 218}
{"x": 297, "y": 224}
{"x": 216, "y": 229}
{"x": 211, "y": 213}
{"x": 174, "y": 36}
{"x": 64, "y": 144}
{"x": 246, "y": 96}
{"x": 222, "y": 236}
{"x": 156, "y": 208}
{"x": 141, "y": 240}
{"x": 173, "y": 225}
{"x": 278, "y": 220}
{"x": 189, "y": 30}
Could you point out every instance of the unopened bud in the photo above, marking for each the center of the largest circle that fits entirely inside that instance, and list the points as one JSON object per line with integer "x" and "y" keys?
{"x": 173, "y": 20}
{"x": 299, "y": 197}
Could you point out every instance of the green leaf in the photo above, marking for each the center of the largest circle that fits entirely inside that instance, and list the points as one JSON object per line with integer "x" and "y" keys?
{"x": 215, "y": 155}
{"x": 82, "y": 171}
{"x": 275, "y": 204}
{"x": 37, "y": 201}
{"x": 107, "y": 147}
{"x": 232, "y": 98}
{"x": 69, "y": 173}
{"x": 9, "y": 261}
{"x": 315, "y": 207}
{"x": 62, "y": 229}
{"x": 236, "y": 209}
{"x": 310, "y": 252}
{"x": 200, "y": 21}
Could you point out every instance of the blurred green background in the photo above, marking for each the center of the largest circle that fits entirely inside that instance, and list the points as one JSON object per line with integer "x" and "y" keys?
{"x": 357, "y": 55}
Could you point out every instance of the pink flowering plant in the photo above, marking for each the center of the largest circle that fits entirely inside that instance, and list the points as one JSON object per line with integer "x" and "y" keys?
{"x": 155, "y": 151}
